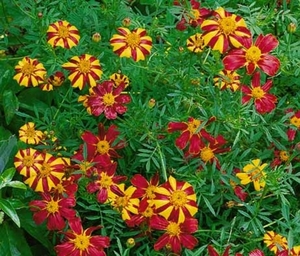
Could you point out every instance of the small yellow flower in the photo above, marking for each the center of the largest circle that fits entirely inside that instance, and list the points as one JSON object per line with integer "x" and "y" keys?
{"x": 275, "y": 242}
{"x": 29, "y": 135}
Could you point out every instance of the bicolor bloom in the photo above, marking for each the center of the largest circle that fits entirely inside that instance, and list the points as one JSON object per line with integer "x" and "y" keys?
{"x": 192, "y": 133}
{"x": 133, "y": 44}
{"x": 294, "y": 125}
{"x": 228, "y": 80}
{"x": 54, "y": 210}
{"x": 29, "y": 135}
{"x": 275, "y": 242}
{"x": 83, "y": 70}
{"x": 63, "y": 34}
{"x": 67, "y": 187}
{"x": 175, "y": 199}
{"x": 123, "y": 200}
{"x": 212, "y": 251}
{"x": 52, "y": 81}
{"x": 108, "y": 99}
{"x": 119, "y": 78}
{"x": 105, "y": 143}
{"x": 254, "y": 55}
{"x": 78, "y": 241}
{"x": 29, "y": 72}
{"x": 263, "y": 101}
{"x": 253, "y": 172}
{"x": 177, "y": 234}
{"x": 256, "y": 252}
{"x": 224, "y": 31}
{"x": 195, "y": 43}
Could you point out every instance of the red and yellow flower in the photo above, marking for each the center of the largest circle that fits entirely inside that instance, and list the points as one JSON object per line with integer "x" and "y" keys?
{"x": 119, "y": 78}
{"x": 263, "y": 101}
{"x": 224, "y": 31}
{"x": 177, "y": 234}
{"x": 254, "y": 55}
{"x": 228, "y": 80}
{"x": 29, "y": 135}
{"x": 55, "y": 210}
{"x": 29, "y": 72}
{"x": 84, "y": 70}
{"x": 81, "y": 242}
{"x": 275, "y": 242}
{"x": 63, "y": 34}
{"x": 294, "y": 124}
{"x": 195, "y": 43}
{"x": 175, "y": 199}
{"x": 133, "y": 44}
{"x": 54, "y": 80}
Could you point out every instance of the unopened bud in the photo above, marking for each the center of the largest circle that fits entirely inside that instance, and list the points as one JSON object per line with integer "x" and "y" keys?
{"x": 96, "y": 37}
{"x": 40, "y": 15}
{"x": 151, "y": 103}
{"x": 130, "y": 243}
{"x": 126, "y": 22}
{"x": 291, "y": 27}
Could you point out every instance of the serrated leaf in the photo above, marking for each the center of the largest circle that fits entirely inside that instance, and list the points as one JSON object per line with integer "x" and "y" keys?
{"x": 10, "y": 105}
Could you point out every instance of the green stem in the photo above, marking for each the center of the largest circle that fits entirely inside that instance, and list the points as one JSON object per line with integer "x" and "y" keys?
{"x": 163, "y": 166}
{"x": 62, "y": 102}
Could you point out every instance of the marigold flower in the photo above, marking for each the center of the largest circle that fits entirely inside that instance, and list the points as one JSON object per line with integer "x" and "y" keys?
{"x": 29, "y": 135}
{"x": 275, "y": 242}
{"x": 81, "y": 242}
{"x": 55, "y": 210}
{"x": 253, "y": 172}
{"x": 119, "y": 78}
{"x": 195, "y": 43}
{"x": 254, "y": 55}
{"x": 228, "y": 80}
{"x": 107, "y": 99}
{"x": 177, "y": 234}
{"x": 224, "y": 30}
{"x": 54, "y": 80}
{"x": 295, "y": 125}
{"x": 84, "y": 69}
{"x": 66, "y": 187}
{"x": 175, "y": 199}
{"x": 63, "y": 34}
{"x": 256, "y": 252}
{"x": 133, "y": 44}
{"x": 212, "y": 251}
{"x": 263, "y": 101}
{"x": 29, "y": 72}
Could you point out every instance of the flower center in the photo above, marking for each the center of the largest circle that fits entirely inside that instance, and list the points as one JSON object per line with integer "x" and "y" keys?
{"x": 207, "y": 154}
{"x": 30, "y": 132}
{"x": 52, "y": 206}
{"x": 257, "y": 93}
{"x": 284, "y": 156}
{"x": 84, "y": 166}
{"x": 28, "y": 69}
{"x": 84, "y": 66}
{"x": 256, "y": 174}
{"x": 277, "y": 240}
{"x": 121, "y": 202}
{"x": 173, "y": 229}
{"x": 60, "y": 188}
{"x": 103, "y": 147}
{"x": 253, "y": 54}
{"x": 295, "y": 121}
{"x": 45, "y": 170}
{"x": 82, "y": 242}
{"x": 150, "y": 191}
{"x": 108, "y": 99}
{"x": 63, "y": 32}
{"x": 178, "y": 198}
{"x": 105, "y": 181}
{"x": 133, "y": 40}
{"x": 227, "y": 25}
{"x": 193, "y": 126}
{"x": 148, "y": 212}
{"x": 28, "y": 161}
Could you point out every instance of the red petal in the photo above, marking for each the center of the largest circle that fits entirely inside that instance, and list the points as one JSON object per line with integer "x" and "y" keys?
{"x": 266, "y": 43}
{"x": 234, "y": 60}
{"x": 269, "y": 64}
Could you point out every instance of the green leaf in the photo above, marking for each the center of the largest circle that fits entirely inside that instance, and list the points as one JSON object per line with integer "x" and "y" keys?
{"x": 6, "y": 146}
{"x": 8, "y": 174}
{"x": 16, "y": 184}
{"x": 10, "y": 105}
{"x": 13, "y": 241}
{"x": 6, "y": 206}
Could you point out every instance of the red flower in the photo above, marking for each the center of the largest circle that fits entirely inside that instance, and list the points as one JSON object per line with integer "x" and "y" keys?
{"x": 81, "y": 242}
{"x": 106, "y": 98}
{"x": 263, "y": 101}
{"x": 66, "y": 187}
{"x": 177, "y": 235}
{"x": 254, "y": 55}
{"x": 54, "y": 209}
{"x": 145, "y": 189}
{"x": 256, "y": 252}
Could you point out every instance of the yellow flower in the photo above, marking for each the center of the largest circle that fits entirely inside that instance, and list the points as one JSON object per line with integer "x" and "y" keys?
{"x": 275, "y": 242}
{"x": 195, "y": 43}
{"x": 29, "y": 135}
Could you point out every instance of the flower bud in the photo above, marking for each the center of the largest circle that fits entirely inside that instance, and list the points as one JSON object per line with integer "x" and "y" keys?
{"x": 96, "y": 37}
{"x": 126, "y": 22}
{"x": 151, "y": 103}
{"x": 291, "y": 27}
{"x": 40, "y": 15}
{"x": 130, "y": 243}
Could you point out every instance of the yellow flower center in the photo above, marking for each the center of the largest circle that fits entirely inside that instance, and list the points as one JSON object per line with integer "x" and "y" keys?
{"x": 28, "y": 69}
{"x": 206, "y": 154}
{"x": 84, "y": 166}
{"x": 133, "y": 40}
{"x": 256, "y": 174}
{"x": 150, "y": 191}
{"x": 45, "y": 170}
{"x": 30, "y": 132}
{"x": 28, "y": 161}
{"x": 193, "y": 126}
{"x": 82, "y": 242}
{"x": 63, "y": 32}
{"x": 257, "y": 93}
{"x": 173, "y": 229}
{"x": 227, "y": 25}
{"x": 278, "y": 241}
{"x": 295, "y": 121}
{"x": 103, "y": 147}
{"x": 105, "y": 181}
{"x": 84, "y": 66}
{"x": 108, "y": 99}
{"x": 253, "y": 54}
{"x": 284, "y": 156}
{"x": 178, "y": 198}
{"x": 60, "y": 188}
{"x": 148, "y": 212}
{"x": 199, "y": 42}
{"x": 121, "y": 202}
{"x": 52, "y": 206}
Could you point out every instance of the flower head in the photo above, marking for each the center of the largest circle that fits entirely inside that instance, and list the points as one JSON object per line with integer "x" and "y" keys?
{"x": 224, "y": 30}
{"x": 29, "y": 72}
{"x": 54, "y": 80}
{"x": 84, "y": 69}
{"x": 63, "y": 34}
{"x": 253, "y": 172}
{"x": 294, "y": 125}
{"x": 133, "y": 44}
{"x": 81, "y": 242}
{"x": 29, "y": 135}
{"x": 228, "y": 80}
{"x": 254, "y": 55}
{"x": 119, "y": 78}
{"x": 275, "y": 242}
{"x": 195, "y": 43}
{"x": 263, "y": 101}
